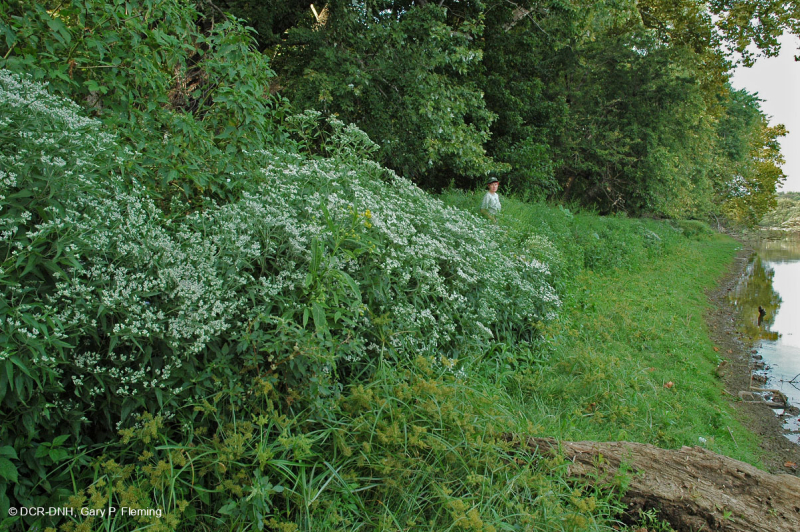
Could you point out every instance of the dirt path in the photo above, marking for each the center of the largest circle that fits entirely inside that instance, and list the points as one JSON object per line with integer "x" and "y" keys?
{"x": 738, "y": 350}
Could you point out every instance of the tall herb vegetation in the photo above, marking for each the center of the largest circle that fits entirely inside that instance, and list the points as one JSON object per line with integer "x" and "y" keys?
{"x": 215, "y": 306}
{"x": 320, "y": 271}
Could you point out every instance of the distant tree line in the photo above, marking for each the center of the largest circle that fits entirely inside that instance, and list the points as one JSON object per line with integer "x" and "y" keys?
{"x": 615, "y": 104}
{"x": 786, "y": 214}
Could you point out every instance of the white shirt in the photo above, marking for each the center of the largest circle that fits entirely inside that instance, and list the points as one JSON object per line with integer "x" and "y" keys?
{"x": 491, "y": 202}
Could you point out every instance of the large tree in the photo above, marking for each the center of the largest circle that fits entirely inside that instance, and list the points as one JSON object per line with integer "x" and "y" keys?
{"x": 401, "y": 72}
{"x": 749, "y": 167}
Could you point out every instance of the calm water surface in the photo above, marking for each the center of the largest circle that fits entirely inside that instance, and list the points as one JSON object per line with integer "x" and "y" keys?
{"x": 772, "y": 281}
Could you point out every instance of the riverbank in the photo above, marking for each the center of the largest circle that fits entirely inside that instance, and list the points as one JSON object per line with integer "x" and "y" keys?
{"x": 779, "y": 455}
{"x": 630, "y": 356}
{"x": 424, "y": 441}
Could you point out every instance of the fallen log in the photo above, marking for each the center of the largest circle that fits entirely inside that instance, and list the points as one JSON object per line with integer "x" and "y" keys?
{"x": 692, "y": 488}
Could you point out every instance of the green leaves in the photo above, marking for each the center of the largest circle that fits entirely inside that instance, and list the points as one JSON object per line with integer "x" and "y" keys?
{"x": 748, "y": 170}
{"x": 318, "y": 312}
{"x": 190, "y": 102}
{"x": 749, "y": 25}
{"x": 53, "y": 452}
{"x": 404, "y": 80}
{"x": 8, "y": 470}
{"x": 611, "y": 104}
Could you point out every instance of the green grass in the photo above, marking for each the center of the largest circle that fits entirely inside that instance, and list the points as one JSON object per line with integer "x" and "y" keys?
{"x": 599, "y": 374}
{"x": 622, "y": 338}
{"x": 632, "y": 322}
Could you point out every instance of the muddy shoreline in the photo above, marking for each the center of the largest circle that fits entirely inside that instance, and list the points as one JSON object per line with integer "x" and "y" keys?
{"x": 778, "y": 452}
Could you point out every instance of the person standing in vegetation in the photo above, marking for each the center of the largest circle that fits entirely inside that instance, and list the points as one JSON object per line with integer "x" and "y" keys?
{"x": 490, "y": 206}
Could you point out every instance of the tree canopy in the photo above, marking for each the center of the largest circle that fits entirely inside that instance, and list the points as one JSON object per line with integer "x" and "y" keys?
{"x": 615, "y": 104}
{"x": 619, "y": 105}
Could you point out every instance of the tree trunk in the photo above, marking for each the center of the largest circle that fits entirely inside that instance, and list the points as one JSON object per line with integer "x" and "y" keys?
{"x": 692, "y": 488}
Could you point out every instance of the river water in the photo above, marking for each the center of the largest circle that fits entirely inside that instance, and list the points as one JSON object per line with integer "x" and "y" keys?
{"x": 772, "y": 282}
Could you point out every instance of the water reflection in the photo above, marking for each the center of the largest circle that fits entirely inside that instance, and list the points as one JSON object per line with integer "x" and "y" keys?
{"x": 782, "y": 250}
{"x": 756, "y": 300}
{"x": 768, "y": 298}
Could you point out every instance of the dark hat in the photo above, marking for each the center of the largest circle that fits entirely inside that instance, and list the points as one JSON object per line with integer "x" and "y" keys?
{"x": 492, "y": 180}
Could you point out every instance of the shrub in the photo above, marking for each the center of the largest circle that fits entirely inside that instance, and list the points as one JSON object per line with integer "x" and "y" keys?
{"x": 322, "y": 268}
{"x": 188, "y": 94}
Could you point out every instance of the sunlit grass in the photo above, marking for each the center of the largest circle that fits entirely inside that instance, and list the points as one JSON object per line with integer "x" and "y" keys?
{"x": 631, "y": 358}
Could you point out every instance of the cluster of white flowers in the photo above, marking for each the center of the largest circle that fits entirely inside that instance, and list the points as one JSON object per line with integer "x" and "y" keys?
{"x": 445, "y": 273}
{"x": 140, "y": 297}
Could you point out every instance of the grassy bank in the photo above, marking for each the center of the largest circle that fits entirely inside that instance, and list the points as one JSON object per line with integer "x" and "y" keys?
{"x": 629, "y": 357}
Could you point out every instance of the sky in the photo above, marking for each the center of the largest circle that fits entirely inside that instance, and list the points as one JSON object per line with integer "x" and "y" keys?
{"x": 776, "y": 80}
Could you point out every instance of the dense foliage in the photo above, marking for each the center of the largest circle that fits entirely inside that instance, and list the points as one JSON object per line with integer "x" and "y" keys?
{"x": 188, "y": 96}
{"x": 319, "y": 270}
{"x": 414, "y": 98}
{"x": 752, "y": 159}
{"x": 620, "y": 105}
{"x": 219, "y": 307}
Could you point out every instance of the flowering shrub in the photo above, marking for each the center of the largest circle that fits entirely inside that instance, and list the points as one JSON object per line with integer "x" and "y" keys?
{"x": 320, "y": 268}
{"x": 49, "y": 156}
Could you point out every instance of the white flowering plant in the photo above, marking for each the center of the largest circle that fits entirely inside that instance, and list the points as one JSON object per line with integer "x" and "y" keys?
{"x": 49, "y": 154}
{"x": 223, "y": 306}
{"x": 320, "y": 268}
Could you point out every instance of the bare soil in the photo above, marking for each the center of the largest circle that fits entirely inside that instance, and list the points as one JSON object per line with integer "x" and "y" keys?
{"x": 692, "y": 488}
{"x": 779, "y": 453}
